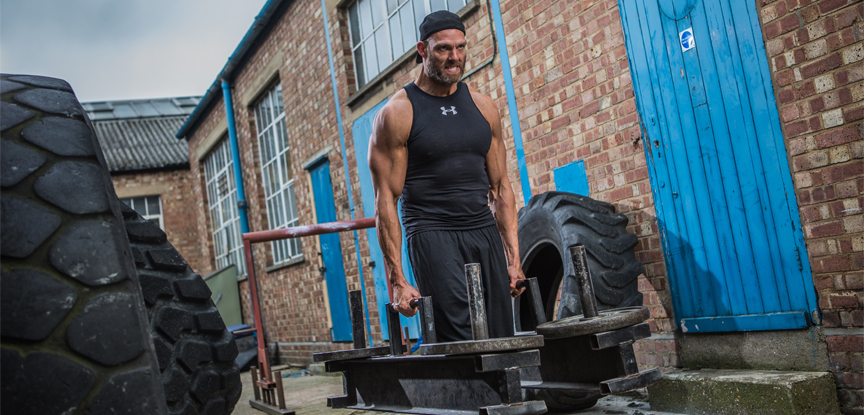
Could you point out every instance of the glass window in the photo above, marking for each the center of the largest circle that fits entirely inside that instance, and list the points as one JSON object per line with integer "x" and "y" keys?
{"x": 276, "y": 173}
{"x": 382, "y": 31}
{"x": 149, "y": 207}
{"x": 222, "y": 206}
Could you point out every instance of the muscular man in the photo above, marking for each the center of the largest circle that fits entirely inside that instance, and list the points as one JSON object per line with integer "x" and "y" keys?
{"x": 438, "y": 145}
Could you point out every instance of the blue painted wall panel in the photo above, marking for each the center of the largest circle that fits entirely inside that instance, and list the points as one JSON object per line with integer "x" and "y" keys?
{"x": 572, "y": 178}
{"x": 729, "y": 223}
{"x": 331, "y": 253}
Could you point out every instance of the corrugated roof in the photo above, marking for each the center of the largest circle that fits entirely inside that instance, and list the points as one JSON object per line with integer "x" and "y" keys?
{"x": 137, "y": 135}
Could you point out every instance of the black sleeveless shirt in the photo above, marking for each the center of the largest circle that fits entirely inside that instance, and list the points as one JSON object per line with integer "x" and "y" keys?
{"x": 446, "y": 184}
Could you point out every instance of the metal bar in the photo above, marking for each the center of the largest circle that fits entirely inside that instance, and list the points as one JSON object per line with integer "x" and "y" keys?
{"x": 534, "y": 291}
{"x": 308, "y": 230}
{"x": 584, "y": 281}
{"x": 477, "y": 306}
{"x": 356, "y": 304}
{"x": 263, "y": 364}
{"x": 501, "y": 361}
{"x": 613, "y": 338}
{"x": 630, "y": 382}
{"x": 427, "y": 323}
{"x": 280, "y": 396}
{"x": 628, "y": 359}
{"x": 256, "y": 390}
{"x": 393, "y": 328}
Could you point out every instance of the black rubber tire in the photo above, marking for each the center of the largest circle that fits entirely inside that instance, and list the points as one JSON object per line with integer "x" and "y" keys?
{"x": 74, "y": 328}
{"x": 194, "y": 349}
{"x": 548, "y": 225}
{"x": 552, "y": 222}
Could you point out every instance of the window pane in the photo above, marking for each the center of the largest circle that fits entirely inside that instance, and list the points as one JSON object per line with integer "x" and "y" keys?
{"x": 391, "y": 5}
{"x": 383, "y": 46}
{"x": 379, "y": 12}
{"x": 409, "y": 31}
{"x": 396, "y": 36}
{"x": 456, "y": 5}
{"x": 365, "y": 19}
{"x": 354, "y": 23}
{"x": 371, "y": 60}
{"x": 358, "y": 66}
{"x": 153, "y": 205}
{"x": 419, "y": 12}
{"x": 436, "y": 5}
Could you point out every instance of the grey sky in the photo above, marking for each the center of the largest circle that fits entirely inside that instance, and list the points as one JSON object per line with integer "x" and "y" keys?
{"x": 123, "y": 49}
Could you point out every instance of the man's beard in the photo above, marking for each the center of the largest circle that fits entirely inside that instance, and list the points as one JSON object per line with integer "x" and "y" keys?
{"x": 437, "y": 73}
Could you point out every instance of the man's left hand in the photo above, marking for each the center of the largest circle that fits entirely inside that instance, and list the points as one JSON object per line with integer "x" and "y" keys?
{"x": 516, "y": 274}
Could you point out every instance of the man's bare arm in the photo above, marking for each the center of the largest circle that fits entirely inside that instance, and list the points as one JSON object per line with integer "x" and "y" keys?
{"x": 501, "y": 193}
{"x": 388, "y": 160}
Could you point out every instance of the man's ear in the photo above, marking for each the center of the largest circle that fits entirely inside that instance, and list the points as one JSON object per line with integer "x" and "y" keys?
{"x": 421, "y": 49}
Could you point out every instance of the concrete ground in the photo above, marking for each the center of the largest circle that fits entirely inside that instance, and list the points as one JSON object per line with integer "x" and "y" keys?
{"x": 307, "y": 394}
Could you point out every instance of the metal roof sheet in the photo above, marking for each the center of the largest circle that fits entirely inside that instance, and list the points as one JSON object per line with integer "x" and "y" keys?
{"x": 138, "y": 135}
{"x": 140, "y": 108}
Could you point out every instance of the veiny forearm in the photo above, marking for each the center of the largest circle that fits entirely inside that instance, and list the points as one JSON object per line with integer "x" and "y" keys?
{"x": 504, "y": 204}
{"x": 389, "y": 237}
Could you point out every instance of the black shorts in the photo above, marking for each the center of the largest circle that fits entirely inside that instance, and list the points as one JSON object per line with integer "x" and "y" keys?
{"x": 438, "y": 259}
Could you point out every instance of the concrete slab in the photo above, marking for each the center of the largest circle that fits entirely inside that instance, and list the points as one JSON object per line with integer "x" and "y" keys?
{"x": 804, "y": 350}
{"x": 714, "y": 391}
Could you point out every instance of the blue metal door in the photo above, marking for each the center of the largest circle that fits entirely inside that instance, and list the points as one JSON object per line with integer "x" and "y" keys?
{"x": 331, "y": 252}
{"x": 361, "y": 130}
{"x": 723, "y": 193}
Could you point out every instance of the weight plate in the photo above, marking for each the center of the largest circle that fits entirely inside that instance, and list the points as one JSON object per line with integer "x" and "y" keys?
{"x": 606, "y": 320}
{"x": 502, "y": 344}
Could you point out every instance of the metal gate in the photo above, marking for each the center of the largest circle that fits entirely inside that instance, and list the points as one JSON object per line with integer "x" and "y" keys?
{"x": 724, "y": 196}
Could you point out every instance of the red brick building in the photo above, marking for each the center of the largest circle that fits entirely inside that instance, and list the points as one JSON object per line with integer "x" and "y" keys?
{"x": 611, "y": 90}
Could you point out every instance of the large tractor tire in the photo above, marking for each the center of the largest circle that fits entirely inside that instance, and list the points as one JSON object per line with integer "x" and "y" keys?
{"x": 548, "y": 226}
{"x": 194, "y": 349}
{"x": 76, "y": 335}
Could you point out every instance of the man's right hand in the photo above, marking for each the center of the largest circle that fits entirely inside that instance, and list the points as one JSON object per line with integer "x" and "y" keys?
{"x": 403, "y": 293}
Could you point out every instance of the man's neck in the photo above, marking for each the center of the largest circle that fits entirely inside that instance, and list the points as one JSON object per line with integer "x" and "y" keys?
{"x": 433, "y": 87}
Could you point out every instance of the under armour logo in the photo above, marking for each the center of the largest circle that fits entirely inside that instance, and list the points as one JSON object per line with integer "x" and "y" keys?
{"x": 453, "y": 110}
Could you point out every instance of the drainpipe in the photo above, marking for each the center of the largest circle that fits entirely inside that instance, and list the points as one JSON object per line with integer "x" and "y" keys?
{"x": 338, "y": 109}
{"x": 512, "y": 101}
{"x": 235, "y": 156}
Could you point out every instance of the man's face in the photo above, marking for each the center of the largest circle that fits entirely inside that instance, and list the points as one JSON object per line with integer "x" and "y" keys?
{"x": 445, "y": 56}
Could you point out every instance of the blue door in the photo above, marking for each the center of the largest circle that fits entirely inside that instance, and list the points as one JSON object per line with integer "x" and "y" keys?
{"x": 331, "y": 252}
{"x": 728, "y": 217}
{"x": 361, "y": 130}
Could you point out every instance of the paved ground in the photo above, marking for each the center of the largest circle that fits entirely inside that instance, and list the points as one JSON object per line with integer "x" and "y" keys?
{"x": 307, "y": 395}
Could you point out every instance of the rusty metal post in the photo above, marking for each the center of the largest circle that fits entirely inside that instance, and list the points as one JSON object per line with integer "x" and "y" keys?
{"x": 356, "y": 304}
{"x": 477, "y": 306}
{"x": 584, "y": 281}
{"x": 263, "y": 363}
{"x": 256, "y": 390}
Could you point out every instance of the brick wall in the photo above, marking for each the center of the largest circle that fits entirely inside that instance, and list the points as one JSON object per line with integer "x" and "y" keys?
{"x": 815, "y": 54}
{"x": 179, "y": 216}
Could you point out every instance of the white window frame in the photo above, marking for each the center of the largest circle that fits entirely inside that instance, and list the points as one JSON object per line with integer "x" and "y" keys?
{"x": 277, "y": 180}
{"x": 371, "y": 29}
{"x": 222, "y": 207}
{"x": 142, "y": 205}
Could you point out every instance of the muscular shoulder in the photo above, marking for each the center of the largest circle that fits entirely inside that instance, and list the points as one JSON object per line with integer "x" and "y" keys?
{"x": 393, "y": 121}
